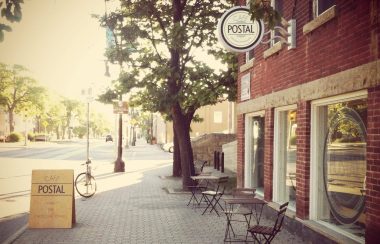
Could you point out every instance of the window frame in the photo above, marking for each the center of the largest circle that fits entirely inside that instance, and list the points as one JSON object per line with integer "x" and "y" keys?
{"x": 247, "y": 54}
{"x": 247, "y": 145}
{"x": 273, "y": 32}
{"x": 279, "y": 178}
{"x": 316, "y": 168}
{"x": 316, "y": 8}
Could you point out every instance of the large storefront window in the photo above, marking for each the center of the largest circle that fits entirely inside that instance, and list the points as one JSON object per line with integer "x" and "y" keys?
{"x": 285, "y": 150}
{"x": 339, "y": 161}
{"x": 254, "y": 156}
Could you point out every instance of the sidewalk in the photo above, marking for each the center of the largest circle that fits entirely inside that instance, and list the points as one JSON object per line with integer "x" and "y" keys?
{"x": 133, "y": 207}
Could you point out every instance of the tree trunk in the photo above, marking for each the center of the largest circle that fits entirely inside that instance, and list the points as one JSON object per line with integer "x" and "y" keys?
{"x": 182, "y": 130}
{"x": 57, "y": 131}
{"x": 11, "y": 124}
{"x": 177, "y": 171}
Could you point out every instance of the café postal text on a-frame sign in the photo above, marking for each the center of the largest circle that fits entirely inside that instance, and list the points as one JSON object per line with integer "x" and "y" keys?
{"x": 52, "y": 203}
{"x": 237, "y": 32}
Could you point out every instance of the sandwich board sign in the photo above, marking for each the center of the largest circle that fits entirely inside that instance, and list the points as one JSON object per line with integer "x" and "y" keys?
{"x": 52, "y": 203}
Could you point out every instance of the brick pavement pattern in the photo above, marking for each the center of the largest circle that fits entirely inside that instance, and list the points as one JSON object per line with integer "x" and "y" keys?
{"x": 135, "y": 208}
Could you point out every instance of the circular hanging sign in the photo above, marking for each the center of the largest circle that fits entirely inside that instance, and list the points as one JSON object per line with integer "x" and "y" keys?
{"x": 237, "y": 32}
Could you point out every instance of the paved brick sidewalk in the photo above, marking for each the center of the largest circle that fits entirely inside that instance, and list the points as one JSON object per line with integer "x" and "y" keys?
{"x": 133, "y": 207}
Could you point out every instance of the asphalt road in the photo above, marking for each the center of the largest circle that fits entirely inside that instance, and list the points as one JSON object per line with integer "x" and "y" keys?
{"x": 18, "y": 161}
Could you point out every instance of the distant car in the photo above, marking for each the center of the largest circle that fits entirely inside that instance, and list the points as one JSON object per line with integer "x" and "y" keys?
{"x": 42, "y": 138}
{"x": 168, "y": 147}
{"x": 109, "y": 138}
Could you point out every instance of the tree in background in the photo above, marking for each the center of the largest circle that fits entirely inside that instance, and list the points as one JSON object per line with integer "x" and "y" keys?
{"x": 73, "y": 108}
{"x": 164, "y": 36}
{"x": 11, "y": 11}
{"x": 19, "y": 93}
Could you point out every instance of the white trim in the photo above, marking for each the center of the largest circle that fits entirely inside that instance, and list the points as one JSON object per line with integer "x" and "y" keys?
{"x": 247, "y": 145}
{"x": 278, "y": 178}
{"x": 316, "y": 141}
{"x": 339, "y": 230}
{"x": 341, "y": 98}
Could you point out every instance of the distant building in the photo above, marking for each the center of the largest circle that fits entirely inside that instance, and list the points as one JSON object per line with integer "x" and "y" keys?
{"x": 308, "y": 119}
{"x": 218, "y": 118}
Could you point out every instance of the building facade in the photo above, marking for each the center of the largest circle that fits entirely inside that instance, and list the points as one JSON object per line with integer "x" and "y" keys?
{"x": 218, "y": 118}
{"x": 308, "y": 117}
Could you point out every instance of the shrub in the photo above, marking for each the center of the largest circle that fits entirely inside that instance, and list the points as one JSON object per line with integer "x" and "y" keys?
{"x": 31, "y": 136}
{"x": 15, "y": 137}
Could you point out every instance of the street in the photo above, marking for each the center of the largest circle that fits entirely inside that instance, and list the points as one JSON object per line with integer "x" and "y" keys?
{"x": 18, "y": 161}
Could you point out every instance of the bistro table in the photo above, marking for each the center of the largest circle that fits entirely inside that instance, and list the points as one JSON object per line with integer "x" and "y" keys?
{"x": 203, "y": 181}
{"x": 208, "y": 179}
{"x": 255, "y": 209}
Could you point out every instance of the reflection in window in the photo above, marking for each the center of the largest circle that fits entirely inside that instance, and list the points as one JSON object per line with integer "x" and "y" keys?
{"x": 249, "y": 55}
{"x": 323, "y": 5}
{"x": 257, "y": 153}
{"x": 286, "y": 156}
{"x": 344, "y": 165}
{"x": 290, "y": 150}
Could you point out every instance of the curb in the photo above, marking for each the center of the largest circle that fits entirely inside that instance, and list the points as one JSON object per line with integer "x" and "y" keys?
{"x": 15, "y": 235}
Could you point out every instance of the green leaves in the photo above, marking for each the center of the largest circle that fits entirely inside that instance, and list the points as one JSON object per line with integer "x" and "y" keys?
{"x": 163, "y": 65}
{"x": 11, "y": 11}
{"x": 262, "y": 10}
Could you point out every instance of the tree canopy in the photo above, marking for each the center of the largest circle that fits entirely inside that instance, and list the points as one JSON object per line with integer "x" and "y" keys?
{"x": 19, "y": 93}
{"x": 11, "y": 12}
{"x": 162, "y": 42}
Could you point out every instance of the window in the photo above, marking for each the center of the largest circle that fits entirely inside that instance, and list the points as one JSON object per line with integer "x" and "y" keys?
{"x": 338, "y": 163}
{"x": 278, "y": 6}
{"x": 285, "y": 150}
{"x": 254, "y": 152}
{"x": 218, "y": 117}
{"x": 249, "y": 55}
{"x": 321, "y": 6}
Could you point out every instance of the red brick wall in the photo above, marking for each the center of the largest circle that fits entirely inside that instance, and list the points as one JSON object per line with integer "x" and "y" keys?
{"x": 268, "y": 154}
{"x": 373, "y": 167}
{"x": 240, "y": 150}
{"x": 340, "y": 44}
{"x": 303, "y": 159}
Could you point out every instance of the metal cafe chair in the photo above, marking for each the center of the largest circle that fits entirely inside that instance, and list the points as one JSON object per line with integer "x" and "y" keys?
{"x": 197, "y": 188}
{"x": 240, "y": 211}
{"x": 265, "y": 234}
{"x": 212, "y": 197}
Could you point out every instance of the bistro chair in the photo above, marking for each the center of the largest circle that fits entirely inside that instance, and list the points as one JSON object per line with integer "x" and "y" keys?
{"x": 212, "y": 197}
{"x": 198, "y": 187}
{"x": 265, "y": 234}
{"x": 233, "y": 214}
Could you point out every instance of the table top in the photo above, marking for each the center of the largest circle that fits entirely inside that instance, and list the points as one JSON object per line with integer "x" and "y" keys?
{"x": 247, "y": 200}
{"x": 205, "y": 177}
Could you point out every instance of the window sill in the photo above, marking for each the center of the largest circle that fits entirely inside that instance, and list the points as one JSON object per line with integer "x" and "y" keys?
{"x": 320, "y": 20}
{"x": 247, "y": 65}
{"x": 273, "y": 50}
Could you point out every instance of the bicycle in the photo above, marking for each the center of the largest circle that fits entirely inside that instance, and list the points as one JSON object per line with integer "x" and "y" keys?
{"x": 85, "y": 183}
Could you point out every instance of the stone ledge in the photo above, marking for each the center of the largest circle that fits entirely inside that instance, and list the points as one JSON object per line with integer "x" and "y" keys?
{"x": 320, "y": 20}
{"x": 273, "y": 50}
{"x": 247, "y": 65}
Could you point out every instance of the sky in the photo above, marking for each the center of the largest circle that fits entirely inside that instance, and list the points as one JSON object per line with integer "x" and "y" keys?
{"x": 60, "y": 44}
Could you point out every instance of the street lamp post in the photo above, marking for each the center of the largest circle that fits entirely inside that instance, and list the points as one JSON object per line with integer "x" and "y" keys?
{"x": 119, "y": 163}
{"x": 88, "y": 100}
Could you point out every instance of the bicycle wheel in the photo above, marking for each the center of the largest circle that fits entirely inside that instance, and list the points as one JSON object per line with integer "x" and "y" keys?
{"x": 85, "y": 185}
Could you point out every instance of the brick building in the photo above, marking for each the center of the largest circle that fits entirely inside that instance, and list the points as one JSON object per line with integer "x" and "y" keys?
{"x": 308, "y": 118}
